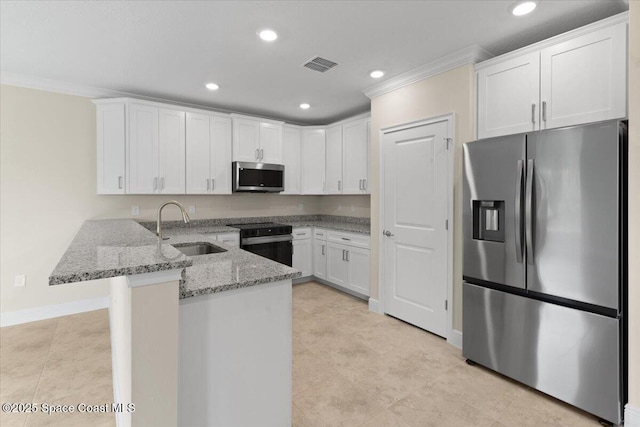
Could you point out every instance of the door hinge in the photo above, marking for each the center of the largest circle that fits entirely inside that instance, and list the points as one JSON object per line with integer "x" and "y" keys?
{"x": 446, "y": 305}
{"x": 446, "y": 224}
{"x": 448, "y": 141}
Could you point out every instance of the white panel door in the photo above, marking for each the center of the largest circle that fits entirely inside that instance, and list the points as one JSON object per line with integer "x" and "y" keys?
{"x": 246, "y": 140}
{"x": 143, "y": 149}
{"x": 415, "y": 210}
{"x": 171, "y": 151}
{"x": 313, "y": 161}
{"x": 270, "y": 143}
{"x": 584, "y": 80}
{"x": 320, "y": 259}
{"x": 508, "y": 95}
{"x": 358, "y": 277}
{"x": 334, "y": 160}
{"x": 337, "y": 268}
{"x": 111, "y": 135}
{"x": 220, "y": 139}
{"x": 291, "y": 158}
{"x": 198, "y": 156}
{"x": 355, "y": 157}
{"x": 302, "y": 256}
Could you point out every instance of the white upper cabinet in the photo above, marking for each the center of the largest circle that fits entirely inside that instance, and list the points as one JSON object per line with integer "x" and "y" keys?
{"x": 334, "y": 181}
{"x": 156, "y": 150}
{"x": 355, "y": 157}
{"x": 111, "y": 149}
{"x": 508, "y": 97}
{"x": 255, "y": 140}
{"x": 291, "y": 158}
{"x": 208, "y": 154}
{"x": 575, "y": 78}
{"x": 313, "y": 161}
{"x": 584, "y": 79}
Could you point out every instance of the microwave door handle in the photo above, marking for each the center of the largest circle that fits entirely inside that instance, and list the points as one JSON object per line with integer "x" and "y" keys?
{"x": 529, "y": 211}
{"x": 518, "y": 211}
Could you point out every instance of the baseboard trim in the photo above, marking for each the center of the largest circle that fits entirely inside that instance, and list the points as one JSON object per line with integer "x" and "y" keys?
{"x": 51, "y": 311}
{"x": 374, "y": 305}
{"x": 631, "y": 416}
{"x": 455, "y": 338}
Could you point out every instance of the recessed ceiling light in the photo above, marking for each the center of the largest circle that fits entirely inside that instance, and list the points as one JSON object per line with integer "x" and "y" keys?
{"x": 268, "y": 35}
{"x": 305, "y": 106}
{"x": 377, "y": 74}
{"x": 523, "y": 8}
{"x": 212, "y": 86}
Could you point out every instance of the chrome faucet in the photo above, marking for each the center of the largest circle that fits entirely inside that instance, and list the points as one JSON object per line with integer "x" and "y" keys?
{"x": 185, "y": 217}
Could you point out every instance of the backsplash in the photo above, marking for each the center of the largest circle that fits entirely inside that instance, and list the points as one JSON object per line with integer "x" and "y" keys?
{"x": 151, "y": 225}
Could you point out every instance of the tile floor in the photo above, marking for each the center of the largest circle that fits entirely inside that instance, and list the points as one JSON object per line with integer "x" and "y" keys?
{"x": 66, "y": 360}
{"x": 350, "y": 368}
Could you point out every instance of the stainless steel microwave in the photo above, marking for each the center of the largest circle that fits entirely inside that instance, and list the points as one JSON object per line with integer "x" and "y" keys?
{"x": 257, "y": 177}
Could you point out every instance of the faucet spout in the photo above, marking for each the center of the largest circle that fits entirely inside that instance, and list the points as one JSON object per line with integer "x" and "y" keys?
{"x": 185, "y": 216}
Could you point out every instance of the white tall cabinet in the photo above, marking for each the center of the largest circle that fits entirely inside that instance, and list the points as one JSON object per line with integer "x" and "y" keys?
{"x": 578, "y": 77}
{"x": 291, "y": 158}
{"x": 313, "y": 161}
{"x": 208, "y": 154}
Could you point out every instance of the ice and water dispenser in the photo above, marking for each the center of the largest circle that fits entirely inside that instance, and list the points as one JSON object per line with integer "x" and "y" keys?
{"x": 488, "y": 220}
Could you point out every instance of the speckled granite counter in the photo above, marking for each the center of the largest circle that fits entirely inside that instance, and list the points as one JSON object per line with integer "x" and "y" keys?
{"x": 112, "y": 248}
{"x": 333, "y": 225}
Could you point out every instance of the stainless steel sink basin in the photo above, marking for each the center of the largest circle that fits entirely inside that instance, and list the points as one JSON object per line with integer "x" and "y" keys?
{"x": 193, "y": 249}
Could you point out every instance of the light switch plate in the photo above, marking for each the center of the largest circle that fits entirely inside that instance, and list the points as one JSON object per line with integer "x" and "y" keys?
{"x": 301, "y": 206}
{"x": 20, "y": 280}
{"x": 192, "y": 209}
{"x": 135, "y": 210}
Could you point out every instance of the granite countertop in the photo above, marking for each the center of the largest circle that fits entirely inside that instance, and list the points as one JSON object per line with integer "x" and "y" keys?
{"x": 334, "y": 225}
{"x": 112, "y": 248}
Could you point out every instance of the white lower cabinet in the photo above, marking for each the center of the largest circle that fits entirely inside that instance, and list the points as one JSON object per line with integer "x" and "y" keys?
{"x": 302, "y": 251}
{"x": 320, "y": 259}
{"x": 348, "y": 266}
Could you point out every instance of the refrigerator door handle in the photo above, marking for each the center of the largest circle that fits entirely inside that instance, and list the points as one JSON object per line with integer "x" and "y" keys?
{"x": 529, "y": 211}
{"x": 518, "y": 212}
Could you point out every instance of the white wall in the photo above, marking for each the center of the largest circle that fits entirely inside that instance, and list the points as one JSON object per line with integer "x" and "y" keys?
{"x": 48, "y": 189}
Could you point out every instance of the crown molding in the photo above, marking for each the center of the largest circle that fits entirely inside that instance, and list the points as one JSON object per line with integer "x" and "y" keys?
{"x": 468, "y": 55}
{"x": 569, "y": 35}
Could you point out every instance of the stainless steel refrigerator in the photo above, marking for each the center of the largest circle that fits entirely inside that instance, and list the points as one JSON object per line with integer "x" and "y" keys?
{"x": 544, "y": 293}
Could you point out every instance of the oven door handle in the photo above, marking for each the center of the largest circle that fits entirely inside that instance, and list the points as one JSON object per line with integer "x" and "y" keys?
{"x": 266, "y": 239}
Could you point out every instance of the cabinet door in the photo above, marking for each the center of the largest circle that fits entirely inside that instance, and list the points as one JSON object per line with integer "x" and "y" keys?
{"x": 355, "y": 157}
{"x": 313, "y": 158}
{"x": 358, "y": 276}
{"x": 246, "y": 140}
{"x": 302, "y": 256}
{"x": 143, "y": 149}
{"x": 334, "y": 160}
{"x": 584, "y": 80}
{"x": 198, "y": 155}
{"x": 320, "y": 259}
{"x": 508, "y": 95}
{"x": 337, "y": 264}
{"x": 220, "y": 134}
{"x": 270, "y": 143}
{"x": 111, "y": 148}
{"x": 291, "y": 159}
{"x": 171, "y": 151}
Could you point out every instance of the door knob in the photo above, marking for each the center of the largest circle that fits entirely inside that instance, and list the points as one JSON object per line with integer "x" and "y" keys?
{"x": 387, "y": 233}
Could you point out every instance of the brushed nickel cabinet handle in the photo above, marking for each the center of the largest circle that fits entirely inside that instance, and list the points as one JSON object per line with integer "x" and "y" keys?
{"x": 544, "y": 111}
{"x": 120, "y": 183}
{"x": 533, "y": 113}
{"x": 322, "y": 249}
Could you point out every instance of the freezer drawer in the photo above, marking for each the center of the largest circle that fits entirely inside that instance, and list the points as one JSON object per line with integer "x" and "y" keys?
{"x": 567, "y": 353}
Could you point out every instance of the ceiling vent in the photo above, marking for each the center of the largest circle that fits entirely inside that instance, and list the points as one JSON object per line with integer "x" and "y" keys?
{"x": 319, "y": 64}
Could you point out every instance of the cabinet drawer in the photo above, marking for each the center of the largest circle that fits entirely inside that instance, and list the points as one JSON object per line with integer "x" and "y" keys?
{"x": 232, "y": 239}
{"x": 301, "y": 233}
{"x": 320, "y": 234}
{"x": 350, "y": 239}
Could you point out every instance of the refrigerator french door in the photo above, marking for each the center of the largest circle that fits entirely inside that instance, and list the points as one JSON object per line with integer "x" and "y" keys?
{"x": 544, "y": 262}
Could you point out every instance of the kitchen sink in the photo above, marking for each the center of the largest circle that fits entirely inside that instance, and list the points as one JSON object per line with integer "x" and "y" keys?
{"x": 193, "y": 249}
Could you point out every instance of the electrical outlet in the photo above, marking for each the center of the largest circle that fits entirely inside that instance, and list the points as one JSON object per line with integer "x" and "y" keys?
{"x": 301, "y": 206}
{"x": 339, "y": 207}
{"x": 20, "y": 280}
{"x": 192, "y": 209}
{"x": 353, "y": 208}
{"x": 135, "y": 210}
